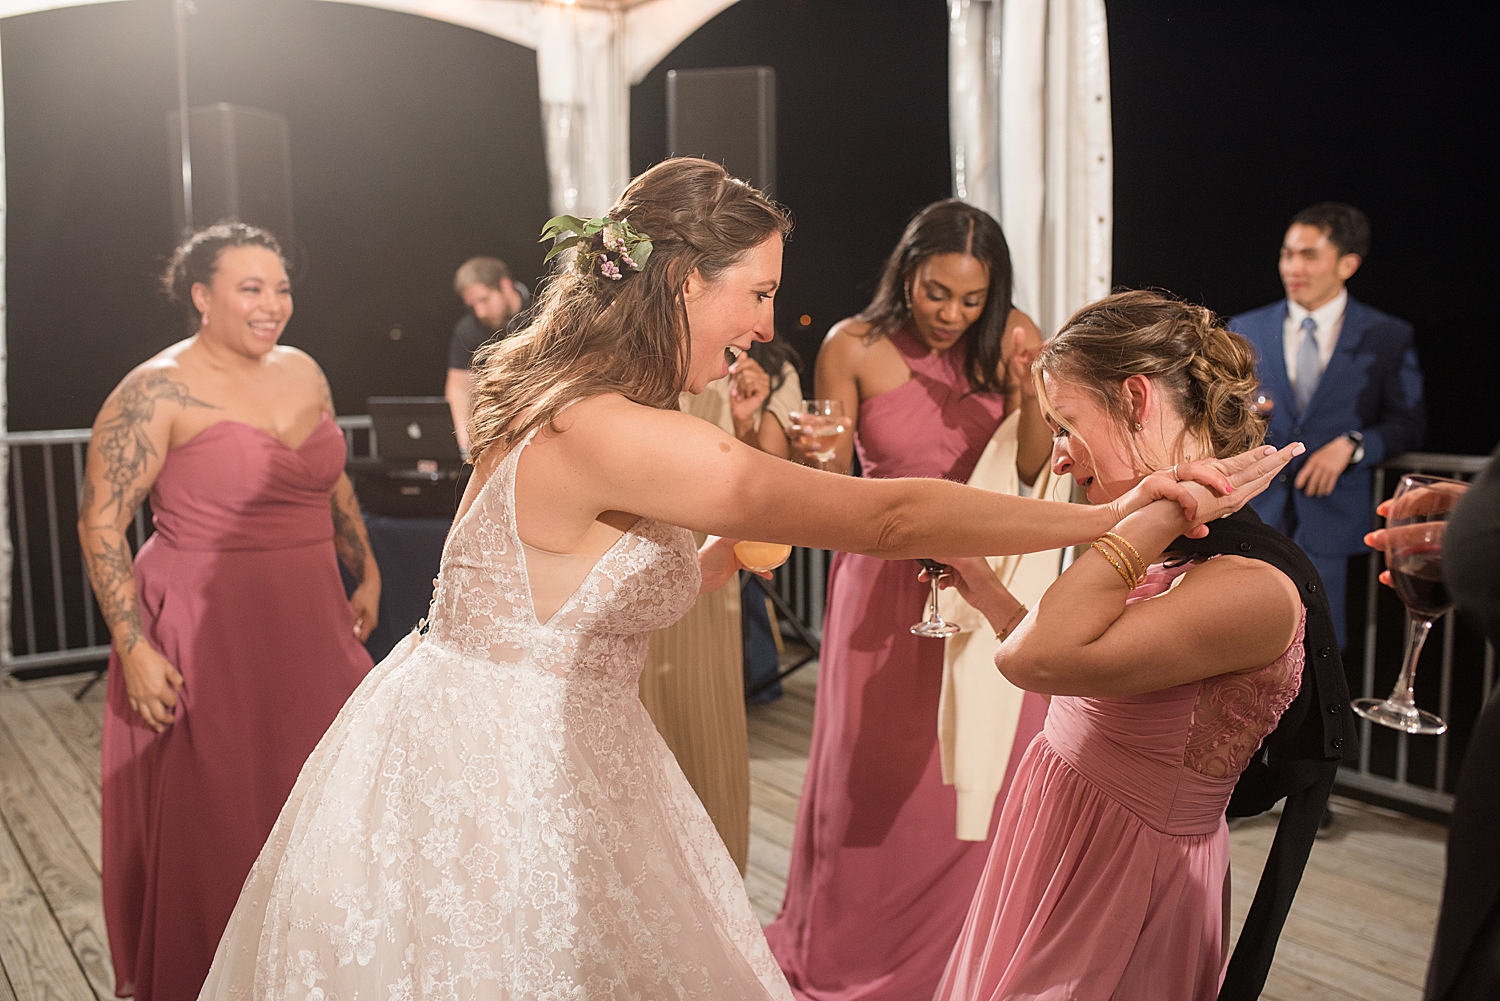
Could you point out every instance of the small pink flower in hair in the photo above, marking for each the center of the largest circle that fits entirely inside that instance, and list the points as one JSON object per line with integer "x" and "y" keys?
{"x": 629, "y": 261}
{"x": 608, "y": 268}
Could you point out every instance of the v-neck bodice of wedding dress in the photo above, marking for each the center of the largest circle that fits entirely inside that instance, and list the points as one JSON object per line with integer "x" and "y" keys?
{"x": 493, "y": 814}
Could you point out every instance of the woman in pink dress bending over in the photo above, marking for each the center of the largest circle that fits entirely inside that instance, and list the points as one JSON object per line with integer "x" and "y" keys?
{"x": 879, "y": 882}
{"x": 233, "y": 647}
{"x": 1109, "y": 876}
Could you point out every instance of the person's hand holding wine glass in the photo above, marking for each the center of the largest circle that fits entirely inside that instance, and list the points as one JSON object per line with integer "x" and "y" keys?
{"x": 1416, "y": 520}
{"x": 816, "y": 426}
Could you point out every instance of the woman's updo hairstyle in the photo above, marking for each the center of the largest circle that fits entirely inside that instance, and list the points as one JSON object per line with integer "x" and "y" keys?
{"x": 1206, "y": 372}
{"x": 197, "y": 258}
{"x": 590, "y": 335}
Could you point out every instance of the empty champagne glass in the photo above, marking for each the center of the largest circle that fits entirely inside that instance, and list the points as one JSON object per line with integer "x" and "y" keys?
{"x": 823, "y": 421}
{"x": 933, "y": 624}
{"x": 1414, "y": 555}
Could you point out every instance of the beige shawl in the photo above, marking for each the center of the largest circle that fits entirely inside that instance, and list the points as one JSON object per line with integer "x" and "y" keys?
{"x": 979, "y": 709}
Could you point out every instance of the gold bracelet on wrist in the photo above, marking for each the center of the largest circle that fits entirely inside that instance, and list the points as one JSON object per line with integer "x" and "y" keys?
{"x": 1125, "y": 575}
{"x": 1137, "y": 577}
{"x": 1120, "y": 540}
{"x": 1010, "y": 626}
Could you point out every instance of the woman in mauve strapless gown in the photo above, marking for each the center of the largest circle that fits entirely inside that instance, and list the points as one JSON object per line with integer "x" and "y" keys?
{"x": 233, "y": 644}
{"x": 879, "y": 881}
{"x": 1109, "y": 876}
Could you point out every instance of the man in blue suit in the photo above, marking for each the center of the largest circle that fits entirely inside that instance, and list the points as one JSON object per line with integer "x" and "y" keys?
{"x": 1343, "y": 378}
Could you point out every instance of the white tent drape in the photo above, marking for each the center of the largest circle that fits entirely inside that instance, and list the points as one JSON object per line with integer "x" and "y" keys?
{"x": 1031, "y": 141}
{"x": 589, "y": 54}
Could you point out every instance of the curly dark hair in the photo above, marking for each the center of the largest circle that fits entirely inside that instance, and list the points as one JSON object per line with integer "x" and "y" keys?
{"x": 197, "y": 258}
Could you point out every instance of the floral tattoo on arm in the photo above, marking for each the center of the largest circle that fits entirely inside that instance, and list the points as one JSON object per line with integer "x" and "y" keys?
{"x": 123, "y": 446}
{"x": 124, "y": 450}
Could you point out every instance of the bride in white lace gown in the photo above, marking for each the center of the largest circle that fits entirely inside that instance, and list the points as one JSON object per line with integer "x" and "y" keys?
{"x": 493, "y": 814}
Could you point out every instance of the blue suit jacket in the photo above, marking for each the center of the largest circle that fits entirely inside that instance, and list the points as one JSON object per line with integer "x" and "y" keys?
{"x": 1372, "y": 385}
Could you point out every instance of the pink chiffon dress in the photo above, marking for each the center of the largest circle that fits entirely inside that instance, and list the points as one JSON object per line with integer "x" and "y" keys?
{"x": 879, "y": 883}
{"x": 1108, "y": 874}
{"x": 239, "y": 588}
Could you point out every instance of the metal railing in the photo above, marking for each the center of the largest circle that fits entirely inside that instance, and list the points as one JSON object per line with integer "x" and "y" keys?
{"x": 50, "y": 618}
{"x": 1418, "y": 770}
{"x": 58, "y": 622}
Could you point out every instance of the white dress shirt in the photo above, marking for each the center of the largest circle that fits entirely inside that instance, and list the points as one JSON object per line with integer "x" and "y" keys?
{"x": 1330, "y": 320}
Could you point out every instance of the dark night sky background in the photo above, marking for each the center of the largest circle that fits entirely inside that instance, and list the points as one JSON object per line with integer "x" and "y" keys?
{"x": 416, "y": 144}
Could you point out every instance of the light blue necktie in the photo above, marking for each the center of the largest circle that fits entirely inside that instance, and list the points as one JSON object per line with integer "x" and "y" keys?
{"x": 1309, "y": 365}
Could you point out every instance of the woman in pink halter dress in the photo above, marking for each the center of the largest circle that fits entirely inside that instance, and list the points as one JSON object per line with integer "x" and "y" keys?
{"x": 1109, "y": 876}
{"x": 879, "y": 881}
{"x": 233, "y": 645}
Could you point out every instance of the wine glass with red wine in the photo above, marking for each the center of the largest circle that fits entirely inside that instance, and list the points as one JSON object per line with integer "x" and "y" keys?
{"x": 933, "y": 624}
{"x": 1414, "y": 555}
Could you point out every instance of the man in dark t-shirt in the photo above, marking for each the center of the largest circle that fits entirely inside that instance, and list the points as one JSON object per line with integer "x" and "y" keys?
{"x": 495, "y": 303}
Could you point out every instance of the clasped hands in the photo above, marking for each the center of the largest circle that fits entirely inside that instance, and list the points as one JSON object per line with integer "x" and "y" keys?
{"x": 1203, "y": 490}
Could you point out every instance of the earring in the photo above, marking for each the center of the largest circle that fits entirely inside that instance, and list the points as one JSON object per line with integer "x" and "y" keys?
{"x": 1139, "y": 427}
{"x": 907, "y": 289}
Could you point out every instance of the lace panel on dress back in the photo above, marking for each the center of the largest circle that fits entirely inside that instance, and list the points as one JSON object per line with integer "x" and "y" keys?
{"x": 484, "y": 603}
{"x": 1235, "y": 712}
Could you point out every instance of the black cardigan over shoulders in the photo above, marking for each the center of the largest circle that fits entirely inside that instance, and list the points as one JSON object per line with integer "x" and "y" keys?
{"x": 1297, "y": 761}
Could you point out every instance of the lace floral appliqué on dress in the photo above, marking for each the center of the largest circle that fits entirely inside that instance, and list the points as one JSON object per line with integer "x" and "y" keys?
{"x": 493, "y": 814}
{"x": 1235, "y": 712}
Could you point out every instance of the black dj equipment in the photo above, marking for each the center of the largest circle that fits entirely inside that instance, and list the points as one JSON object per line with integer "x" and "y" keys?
{"x": 416, "y": 469}
{"x": 726, "y": 115}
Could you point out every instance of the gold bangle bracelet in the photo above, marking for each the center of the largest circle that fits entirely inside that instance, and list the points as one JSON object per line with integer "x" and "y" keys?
{"x": 1010, "y": 626}
{"x": 1121, "y": 540}
{"x": 1124, "y": 574}
{"x": 1137, "y": 578}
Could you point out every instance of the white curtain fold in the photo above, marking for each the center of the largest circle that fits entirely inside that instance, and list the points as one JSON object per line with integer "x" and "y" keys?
{"x": 1032, "y": 144}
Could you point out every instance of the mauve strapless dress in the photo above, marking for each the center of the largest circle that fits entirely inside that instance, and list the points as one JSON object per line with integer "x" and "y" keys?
{"x": 239, "y": 588}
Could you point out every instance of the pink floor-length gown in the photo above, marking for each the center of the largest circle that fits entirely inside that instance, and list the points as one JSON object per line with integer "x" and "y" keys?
{"x": 1107, "y": 878}
{"x": 879, "y": 883}
{"x": 239, "y": 588}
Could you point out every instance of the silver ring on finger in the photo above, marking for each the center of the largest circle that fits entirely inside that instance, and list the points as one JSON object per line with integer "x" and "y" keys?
{"x": 1175, "y": 474}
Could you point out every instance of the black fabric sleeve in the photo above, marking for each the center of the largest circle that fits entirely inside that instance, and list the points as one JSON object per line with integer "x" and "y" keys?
{"x": 465, "y": 340}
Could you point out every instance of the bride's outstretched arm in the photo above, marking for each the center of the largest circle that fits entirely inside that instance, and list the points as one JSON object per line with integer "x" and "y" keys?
{"x": 621, "y": 456}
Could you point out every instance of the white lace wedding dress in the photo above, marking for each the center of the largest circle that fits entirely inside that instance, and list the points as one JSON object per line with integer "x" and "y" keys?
{"x": 493, "y": 814}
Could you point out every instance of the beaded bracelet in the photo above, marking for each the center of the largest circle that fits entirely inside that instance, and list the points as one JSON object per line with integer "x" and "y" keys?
{"x": 1125, "y": 575}
{"x": 1010, "y": 626}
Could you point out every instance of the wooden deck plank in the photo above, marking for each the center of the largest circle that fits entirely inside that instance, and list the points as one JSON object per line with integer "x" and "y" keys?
{"x": 59, "y": 777}
{"x": 36, "y": 959}
{"x": 57, "y": 863}
{"x": 77, "y": 725}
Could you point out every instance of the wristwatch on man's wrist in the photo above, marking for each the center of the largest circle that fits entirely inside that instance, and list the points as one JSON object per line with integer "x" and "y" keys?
{"x": 1358, "y": 441}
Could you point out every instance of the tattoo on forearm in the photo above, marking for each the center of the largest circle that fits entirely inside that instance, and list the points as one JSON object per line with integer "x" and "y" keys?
{"x": 347, "y": 542}
{"x": 122, "y": 444}
{"x": 111, "y": 569}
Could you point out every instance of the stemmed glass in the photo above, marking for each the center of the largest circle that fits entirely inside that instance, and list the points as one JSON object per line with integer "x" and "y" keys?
{"x": 1414, "y": 555}
{"x": 933, "y": 624}
{"x": 823, "y": 421}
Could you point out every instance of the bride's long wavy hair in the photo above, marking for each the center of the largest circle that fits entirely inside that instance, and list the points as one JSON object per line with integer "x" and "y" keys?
{"x": 591, "y": 335}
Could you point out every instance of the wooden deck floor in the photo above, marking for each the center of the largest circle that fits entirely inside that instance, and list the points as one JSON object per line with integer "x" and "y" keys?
{"x": 1361, "y": 927}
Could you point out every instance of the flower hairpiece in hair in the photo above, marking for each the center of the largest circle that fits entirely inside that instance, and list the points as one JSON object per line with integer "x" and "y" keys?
{"x": 606, "y": 248}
